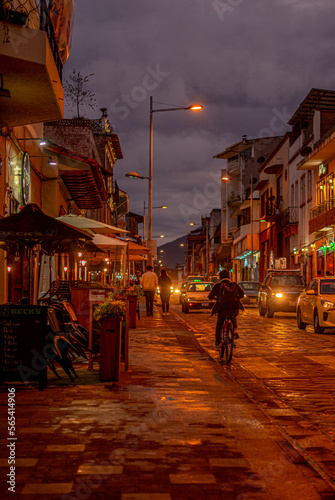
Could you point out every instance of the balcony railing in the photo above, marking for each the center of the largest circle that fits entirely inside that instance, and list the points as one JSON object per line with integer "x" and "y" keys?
{"x": 289, "y": 216}
{"x": 322, "y": 208}
{"x": 22, "y": 12}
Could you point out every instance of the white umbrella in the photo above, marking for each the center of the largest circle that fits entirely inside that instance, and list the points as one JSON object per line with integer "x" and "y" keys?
{"x": 102, "y": 241}
{"x": 84, "y": 223}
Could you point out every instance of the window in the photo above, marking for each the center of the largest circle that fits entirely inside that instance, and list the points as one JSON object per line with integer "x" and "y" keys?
{"x": 302, "y": 190}
{"x": 292, "y": 195}
{"x": 296, "y": 194}
{"x": 279, "y": 183}
{"x": 309, "y": 185}
{"x": 325, "y": 189}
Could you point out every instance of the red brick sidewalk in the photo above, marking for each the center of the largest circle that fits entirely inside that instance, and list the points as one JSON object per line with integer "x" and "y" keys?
{"x": 174, "y": 427}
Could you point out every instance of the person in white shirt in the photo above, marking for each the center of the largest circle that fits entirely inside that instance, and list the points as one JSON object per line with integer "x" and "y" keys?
{"x": 149, "y": 283}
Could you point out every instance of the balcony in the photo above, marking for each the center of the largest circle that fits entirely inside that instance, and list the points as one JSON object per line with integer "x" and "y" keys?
{"x": 234, "y": 199}
{"x": 322, "y": 215}
{"x": 30, "y": 67}
{"x": 288, "y": 222}
{"x": 272, "y": 214}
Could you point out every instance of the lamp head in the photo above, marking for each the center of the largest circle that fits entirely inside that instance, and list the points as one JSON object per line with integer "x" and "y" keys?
{"x": 195, "y": 107}
{"x": 132, "y": 175}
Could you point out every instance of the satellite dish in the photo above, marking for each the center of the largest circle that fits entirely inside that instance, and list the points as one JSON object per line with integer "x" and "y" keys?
{"x": 305, "y": 151}
{"x": 261, "y": 159}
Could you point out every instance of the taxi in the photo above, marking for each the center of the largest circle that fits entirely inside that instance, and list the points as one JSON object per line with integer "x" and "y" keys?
{"x": 196, "y": 296}
{"x": 316, "y": 305}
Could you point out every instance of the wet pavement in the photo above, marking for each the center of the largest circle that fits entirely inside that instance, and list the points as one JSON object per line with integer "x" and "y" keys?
{"x": 180, "y": 425}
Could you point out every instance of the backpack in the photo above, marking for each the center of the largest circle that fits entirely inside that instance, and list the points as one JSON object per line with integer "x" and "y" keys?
{"x": 228, "y": 296}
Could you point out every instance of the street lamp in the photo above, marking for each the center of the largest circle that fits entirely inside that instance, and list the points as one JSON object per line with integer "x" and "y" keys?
{"x": 226, "y": 179}
{"x": 194, "y": 107}
{"x": 162, "y": 206}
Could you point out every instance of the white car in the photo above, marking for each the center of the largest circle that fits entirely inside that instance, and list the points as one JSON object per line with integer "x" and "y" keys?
{"x": 196, "y": 296}
{"x": 316, "y": 305}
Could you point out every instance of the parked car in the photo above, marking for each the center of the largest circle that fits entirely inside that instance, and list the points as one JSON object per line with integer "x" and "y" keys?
{"x": 196, "y": 296}
{"x": 316, "y": 305}
{"x": 251, "y": 289}
{"x": 280, "y": 291}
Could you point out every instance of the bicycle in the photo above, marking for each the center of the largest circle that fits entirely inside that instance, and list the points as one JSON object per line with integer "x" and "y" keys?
{"x": 227, "y": 344}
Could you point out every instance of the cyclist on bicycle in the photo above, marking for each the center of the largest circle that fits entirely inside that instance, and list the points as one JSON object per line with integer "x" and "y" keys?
{"x": 227, "y": 294}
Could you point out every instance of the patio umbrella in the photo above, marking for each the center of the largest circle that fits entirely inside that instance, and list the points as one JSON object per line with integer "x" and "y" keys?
{"x": 31, "y": 226}
{"x": 84, "y": 223}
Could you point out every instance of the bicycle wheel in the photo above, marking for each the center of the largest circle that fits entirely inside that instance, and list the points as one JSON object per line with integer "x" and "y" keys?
{"x": 229, "y": 342}
{"x": 222, "y": 349}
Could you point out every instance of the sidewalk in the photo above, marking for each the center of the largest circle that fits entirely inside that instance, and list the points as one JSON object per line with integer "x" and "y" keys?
{"x": 175, "y": 427}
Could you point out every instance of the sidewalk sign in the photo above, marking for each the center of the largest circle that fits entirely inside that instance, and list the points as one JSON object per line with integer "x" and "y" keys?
{"x": 23, "y": 343}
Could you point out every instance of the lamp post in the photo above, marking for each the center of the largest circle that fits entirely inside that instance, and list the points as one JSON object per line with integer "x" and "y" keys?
{"x": 252, "y": 229}
{"x": 252, "y": 181}
{"x": 195, "y": 107}
{"x": 225, "y": 178}
{"x": 144, "y": 208}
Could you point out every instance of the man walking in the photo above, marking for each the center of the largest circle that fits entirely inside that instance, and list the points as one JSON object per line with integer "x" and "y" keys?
{"x": 149, "y": 282}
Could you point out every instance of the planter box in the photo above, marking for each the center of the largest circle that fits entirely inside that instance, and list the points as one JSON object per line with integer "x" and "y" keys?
{"x": 110, "y": 349}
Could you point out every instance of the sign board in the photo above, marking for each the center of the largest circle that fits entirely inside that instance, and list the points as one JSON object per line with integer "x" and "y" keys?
{"x": 22, "y": 343}
{"x": 323, "y": 169}
{"x": 97, "y": 295}
{"x": 280, "y": 263}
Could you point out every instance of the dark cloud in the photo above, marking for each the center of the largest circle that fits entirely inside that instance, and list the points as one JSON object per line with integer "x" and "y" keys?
{"x": 249, "y": 62}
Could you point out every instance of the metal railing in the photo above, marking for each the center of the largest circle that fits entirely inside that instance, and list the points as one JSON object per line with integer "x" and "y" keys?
{"x": 322, "y": 208}
{"x": 23, "y": 11}
{"x": 289, "y": 216}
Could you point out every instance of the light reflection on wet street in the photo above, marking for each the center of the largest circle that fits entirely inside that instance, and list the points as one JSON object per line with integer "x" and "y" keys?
{"x": 289, "y": 373}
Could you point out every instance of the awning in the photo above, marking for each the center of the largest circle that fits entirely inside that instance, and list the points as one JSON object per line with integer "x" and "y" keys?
{"x": 273, "y": 169}
{"x": 135, "y": 258}
{"x": 261, "y": 184}
{"x": 85, "y": 223}
{"x": 81, "y": 176}
{"x": 224, "y": 250}
{"x": 102, "y": 241}
{"x": 135, "y": 248}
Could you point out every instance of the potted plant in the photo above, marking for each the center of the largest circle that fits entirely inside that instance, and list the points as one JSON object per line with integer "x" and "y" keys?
{"x": 111, "y": 315}
{"x": 133, "y": 297}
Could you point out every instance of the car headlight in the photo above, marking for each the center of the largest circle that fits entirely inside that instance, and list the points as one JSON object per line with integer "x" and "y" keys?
{"x": 177, "y": 290}
{"x": 279, "y": 295}
{"x": 327, "y": 305}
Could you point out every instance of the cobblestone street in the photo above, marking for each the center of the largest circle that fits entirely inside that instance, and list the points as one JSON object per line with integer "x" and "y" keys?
{"x": 288, "y": 373}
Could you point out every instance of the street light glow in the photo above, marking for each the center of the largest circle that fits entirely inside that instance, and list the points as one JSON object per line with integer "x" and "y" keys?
{"x": 225, "y": 178}
{"x": 193, "y": 107}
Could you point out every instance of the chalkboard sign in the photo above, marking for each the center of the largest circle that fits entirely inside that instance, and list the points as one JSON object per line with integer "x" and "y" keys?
{"x": 22, "y": 343}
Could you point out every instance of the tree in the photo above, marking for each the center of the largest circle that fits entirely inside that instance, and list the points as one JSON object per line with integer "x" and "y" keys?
{"x": 76, "y": 93}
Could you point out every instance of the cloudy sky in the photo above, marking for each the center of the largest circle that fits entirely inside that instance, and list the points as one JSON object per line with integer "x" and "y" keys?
{"x": 248, "y": 62}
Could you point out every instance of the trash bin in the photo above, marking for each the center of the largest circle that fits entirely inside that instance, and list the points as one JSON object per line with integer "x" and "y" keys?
{"x": 110, "y": 349}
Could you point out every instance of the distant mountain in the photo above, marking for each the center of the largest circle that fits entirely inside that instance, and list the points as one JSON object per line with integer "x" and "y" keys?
{"x": 173, "y": 254}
